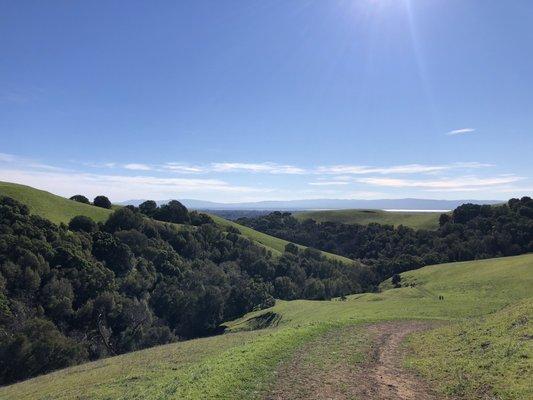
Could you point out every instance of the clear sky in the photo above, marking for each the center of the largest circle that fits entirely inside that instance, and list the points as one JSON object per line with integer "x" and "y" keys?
{"x": 271, "y": 99}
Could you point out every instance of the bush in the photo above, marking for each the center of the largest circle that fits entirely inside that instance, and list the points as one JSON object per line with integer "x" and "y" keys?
{"x": 80, "y": 199}
{"x": 102, "y": 201}
{"x": 174, "y": 211}
{"x": 81, "y": 223}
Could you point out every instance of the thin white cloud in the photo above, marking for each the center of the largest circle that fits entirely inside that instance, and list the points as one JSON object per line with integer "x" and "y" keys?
{"x": 398, "y": 169}
{"x": 270, "y": 168}
{"x": 461, "y": 131}
{"x": 459, "y": 183}
{"x": 120, "y": 187}
{"x": 137, "y": 167}
{"x": 329, "y": 183}
{"x": 183, "y": 168}
{"x": 13, "y": 159}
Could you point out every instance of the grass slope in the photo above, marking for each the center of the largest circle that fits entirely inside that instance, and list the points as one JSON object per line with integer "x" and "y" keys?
{"x": 241, "y": 364}
{"x": 413, "y": 219}
{"x": 491, "y": 357}
{"x": 50, "y": 206}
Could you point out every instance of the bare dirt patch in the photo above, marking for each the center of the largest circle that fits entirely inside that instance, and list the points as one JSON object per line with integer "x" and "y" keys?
{"x": 353, "y": 363}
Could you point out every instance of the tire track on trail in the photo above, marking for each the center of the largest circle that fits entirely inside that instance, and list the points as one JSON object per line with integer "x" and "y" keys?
{"x": 331, "y": 367}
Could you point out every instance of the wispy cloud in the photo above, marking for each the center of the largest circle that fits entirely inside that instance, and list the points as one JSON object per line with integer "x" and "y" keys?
{"x": 121, "y": 187}
{"x": 397, "y": 169}
{"x": 138, "y": 167}
{"x": 271, "y": 168}
{"x": 329, "y": 183}
{"x": 13, "y": 159}
{"x": 183, "y": 168}
{"x": 463, "y": 183}
{"x": 461, "y": 131}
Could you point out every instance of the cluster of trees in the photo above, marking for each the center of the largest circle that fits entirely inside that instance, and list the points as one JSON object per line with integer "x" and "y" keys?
{"x": 99, "y": 201}
{"x": 88, "y": 290}
{"x": 469, "y": 232}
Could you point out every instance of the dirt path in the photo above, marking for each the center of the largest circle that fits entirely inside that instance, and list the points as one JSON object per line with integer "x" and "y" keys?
{"x": 331, "y": 367}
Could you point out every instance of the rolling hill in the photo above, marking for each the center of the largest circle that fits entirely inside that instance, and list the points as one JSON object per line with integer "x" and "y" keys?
{"x": 489, "y": 302}
{"x": 50, "y": 206}
{"x": 412, "y": 219}
{"x": 59, "y": 209}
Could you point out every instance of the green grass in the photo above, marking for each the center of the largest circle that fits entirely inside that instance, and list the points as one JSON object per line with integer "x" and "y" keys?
{"x": 241, "y": 364}
{"x": 489, "y": 357}
{"x": 274, "y": 244}
{"x": 412, "y": 219}
{"x": 50, "y": 206}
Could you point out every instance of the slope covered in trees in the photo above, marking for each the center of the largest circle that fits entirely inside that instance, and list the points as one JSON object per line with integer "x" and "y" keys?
{"x": 88, "y": 290}
{"x": 470, "y": 232}
{"x": 59, "y": 209}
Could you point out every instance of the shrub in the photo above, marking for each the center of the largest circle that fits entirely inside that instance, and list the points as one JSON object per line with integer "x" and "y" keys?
{"x": 102, "y": 201}
{"x": 80, "y": 198}
{"x": 81, "y": 223}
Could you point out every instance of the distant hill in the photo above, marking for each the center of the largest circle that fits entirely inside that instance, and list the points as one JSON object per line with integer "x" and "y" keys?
{"x": 412, "y": 219}
{"x": 326, "y": 204}
{"x": 60, "y": 209}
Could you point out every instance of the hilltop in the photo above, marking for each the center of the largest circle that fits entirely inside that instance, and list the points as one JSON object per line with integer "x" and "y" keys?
{"x": 249, "y": 364}
{"x": 412, "y": 219}
{"x": 50, "y": 206}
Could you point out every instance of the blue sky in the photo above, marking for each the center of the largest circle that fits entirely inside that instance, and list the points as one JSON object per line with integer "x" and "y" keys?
{"x": 253, "y": 100}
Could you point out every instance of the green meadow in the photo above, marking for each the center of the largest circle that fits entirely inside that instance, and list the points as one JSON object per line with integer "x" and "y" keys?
{"x": 242, "y": 362}
{"x": 412, "y": 219}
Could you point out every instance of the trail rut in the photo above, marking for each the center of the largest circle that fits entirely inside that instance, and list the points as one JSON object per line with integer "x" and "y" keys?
{"x": 381, "y": 377}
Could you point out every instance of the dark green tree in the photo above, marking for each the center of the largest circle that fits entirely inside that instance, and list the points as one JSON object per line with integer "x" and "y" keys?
{"x": 102, "y": 201}
{"x": 80, "y": 199}
{"x": 81, "y": 223}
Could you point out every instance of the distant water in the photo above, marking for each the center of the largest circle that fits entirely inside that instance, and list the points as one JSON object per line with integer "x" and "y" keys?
{"x": 401, "y": 210}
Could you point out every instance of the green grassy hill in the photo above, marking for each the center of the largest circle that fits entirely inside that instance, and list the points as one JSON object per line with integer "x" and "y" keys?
{"x": 242, "y": 364}
{"x": 413, "y": 219}
{"x": 50, "y": 206}
{"x": 59, "y": 209}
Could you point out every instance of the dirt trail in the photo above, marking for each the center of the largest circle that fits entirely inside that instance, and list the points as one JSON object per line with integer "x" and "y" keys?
{"x": 381, "y": 377}
{"x": 384, "y": 377}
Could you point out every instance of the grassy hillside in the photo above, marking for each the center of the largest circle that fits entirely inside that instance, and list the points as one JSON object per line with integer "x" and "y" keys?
{"x": 413, "y": 219}
{"x": 50, "y": 206}
{"x": 59, "y": 209}
{"x": 489, "y": 357}
{"x": 242, "y": 364}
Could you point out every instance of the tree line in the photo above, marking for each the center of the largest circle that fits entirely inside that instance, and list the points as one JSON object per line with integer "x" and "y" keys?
{"x": 147, "y": 276}
{"x": 469, "y": 232}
